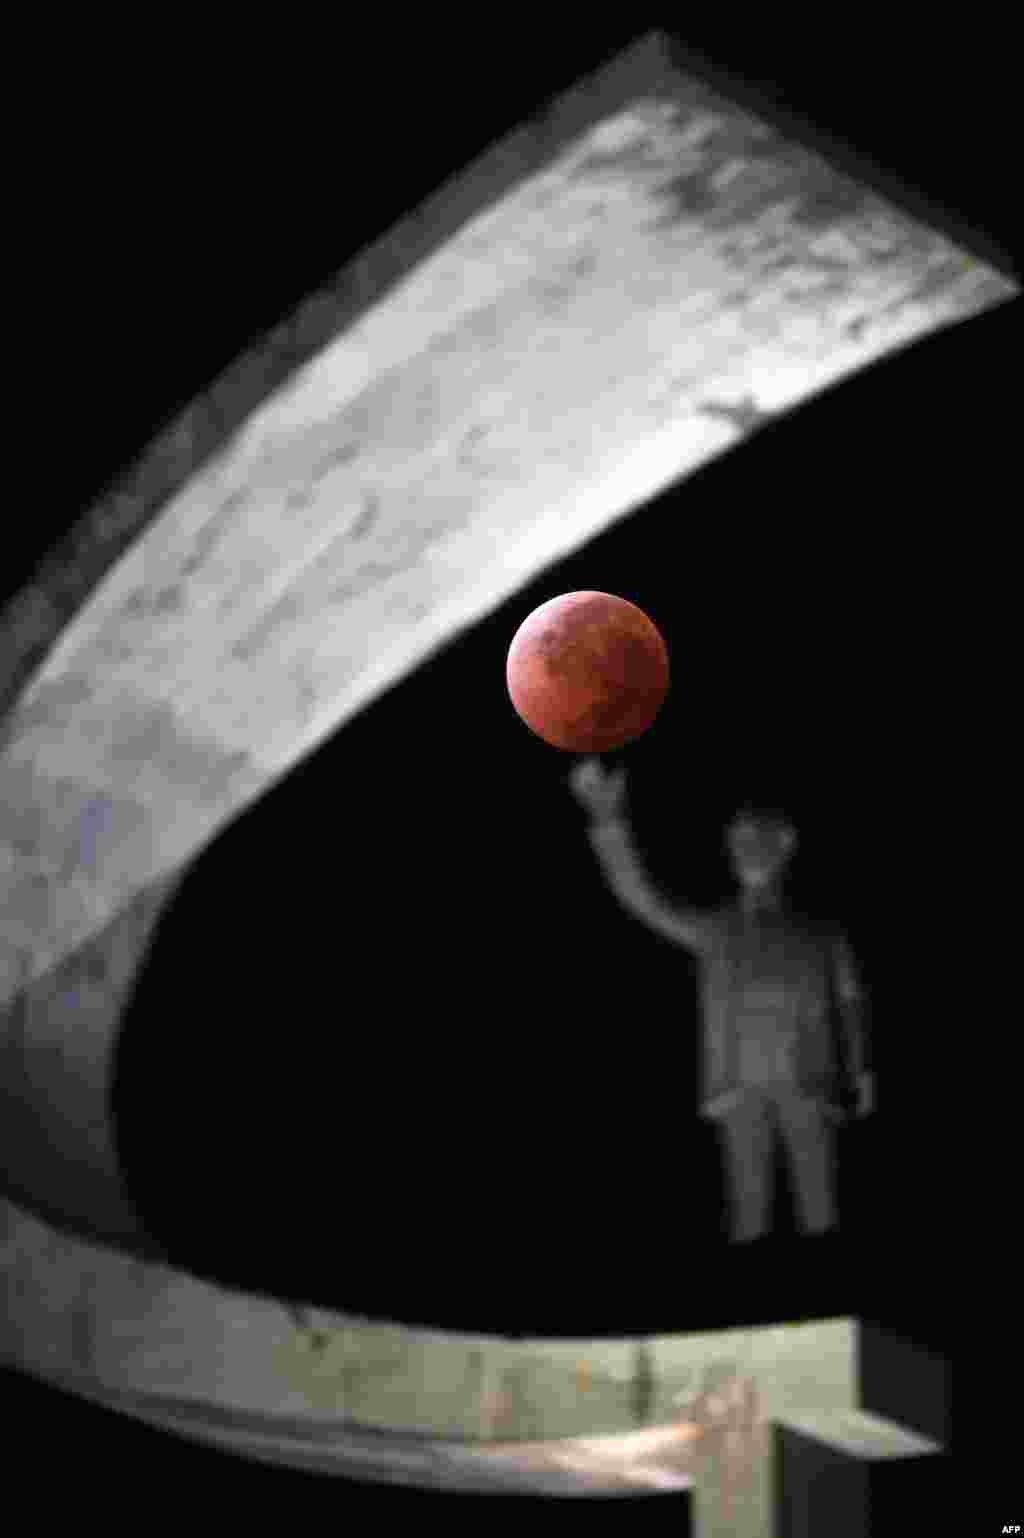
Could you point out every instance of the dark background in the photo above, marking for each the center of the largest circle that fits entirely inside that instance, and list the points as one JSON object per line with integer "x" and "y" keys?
{"x": 498, "y": 1130}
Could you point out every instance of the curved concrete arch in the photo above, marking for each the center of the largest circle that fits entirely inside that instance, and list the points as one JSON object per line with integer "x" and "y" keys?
{"x": 353, "y": 1397}
{"x": 599, "y": 306}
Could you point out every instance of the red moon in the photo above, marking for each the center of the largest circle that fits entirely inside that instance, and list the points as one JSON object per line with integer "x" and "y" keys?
{"x": 588, "y": 672}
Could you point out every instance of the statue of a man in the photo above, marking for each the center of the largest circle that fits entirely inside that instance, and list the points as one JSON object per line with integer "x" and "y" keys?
{"x": 785, "y": 1049}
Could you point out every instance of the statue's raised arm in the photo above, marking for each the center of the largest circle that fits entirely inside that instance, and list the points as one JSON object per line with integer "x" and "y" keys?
{"x": 603, "y": 796}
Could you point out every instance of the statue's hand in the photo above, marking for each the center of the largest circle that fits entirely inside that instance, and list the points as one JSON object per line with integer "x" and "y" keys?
{"x": 865, "y": 1095}
{"x": 599, "y": 791}
{"x": 721, "y": 1105}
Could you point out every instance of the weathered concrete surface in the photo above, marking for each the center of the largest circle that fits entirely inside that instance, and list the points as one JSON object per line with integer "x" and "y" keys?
{"x": 206, "y": 429}
{"x": 56, "y": 1146}
{"x": 626, "y": 289}
{"x": 352, "y": 1396}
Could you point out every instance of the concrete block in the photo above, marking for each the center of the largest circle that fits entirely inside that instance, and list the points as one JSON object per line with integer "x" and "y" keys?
{"x": 850, "y": 1474}
{"x": 904, "y": 1382}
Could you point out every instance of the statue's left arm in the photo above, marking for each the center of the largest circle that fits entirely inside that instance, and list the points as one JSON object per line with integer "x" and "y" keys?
{"x": 853, "y": 1005}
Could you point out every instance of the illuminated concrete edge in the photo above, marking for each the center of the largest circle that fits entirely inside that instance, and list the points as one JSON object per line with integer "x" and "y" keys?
{"x": 360, "y": 1398}
{"x": 74, "y": 568}
{"x": 192, "y": 640}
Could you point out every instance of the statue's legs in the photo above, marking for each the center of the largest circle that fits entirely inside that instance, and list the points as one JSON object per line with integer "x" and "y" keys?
{"x": 809, "y": 1136}
{"x": 748, "y": 1135}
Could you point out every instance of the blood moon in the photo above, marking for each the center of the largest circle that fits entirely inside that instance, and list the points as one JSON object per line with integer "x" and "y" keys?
{"x": 587, "y": 672}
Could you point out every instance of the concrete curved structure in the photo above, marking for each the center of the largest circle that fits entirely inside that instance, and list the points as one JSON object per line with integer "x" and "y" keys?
{"x": 355, "y": 1397}
{"x": 603, "y": 303}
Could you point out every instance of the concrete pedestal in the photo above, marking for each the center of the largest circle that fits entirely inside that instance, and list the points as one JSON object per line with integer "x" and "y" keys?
{"x": 849, "y": 1474}
{"x": 904, "y": 1382}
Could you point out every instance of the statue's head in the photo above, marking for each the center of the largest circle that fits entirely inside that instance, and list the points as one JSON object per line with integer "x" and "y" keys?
{"x": 761, "y": 842}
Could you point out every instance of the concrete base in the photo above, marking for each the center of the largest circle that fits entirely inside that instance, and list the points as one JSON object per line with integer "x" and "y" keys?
{"x": 849, "y": 1474}
{"x": 904, "y": 1382}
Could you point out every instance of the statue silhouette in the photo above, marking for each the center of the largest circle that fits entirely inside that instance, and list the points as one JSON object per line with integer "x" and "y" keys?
{"x": 785, "y": 1044}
